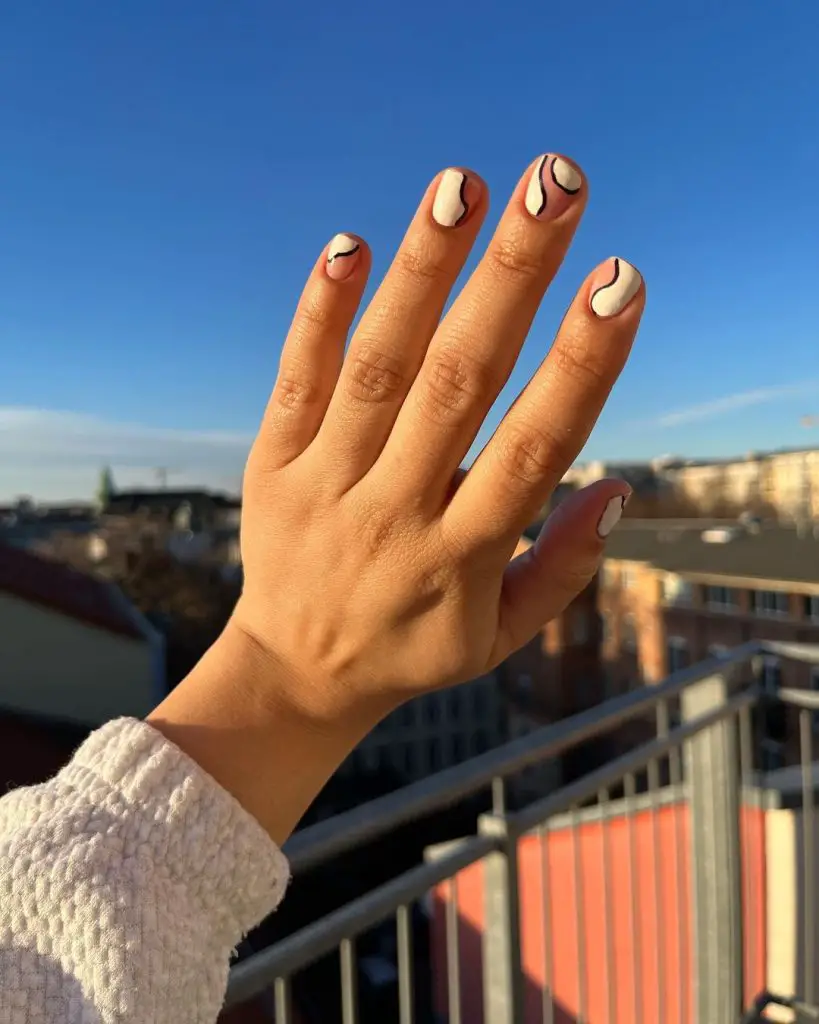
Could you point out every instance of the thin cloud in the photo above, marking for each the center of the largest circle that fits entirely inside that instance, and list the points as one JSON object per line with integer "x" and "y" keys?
{"x": 50, "y": 451}
{"x": 27, "y": 433}
{"x": 731, "y": 403}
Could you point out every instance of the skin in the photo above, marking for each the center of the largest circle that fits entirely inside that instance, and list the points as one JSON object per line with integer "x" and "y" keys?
{"x": 375, "y": 570}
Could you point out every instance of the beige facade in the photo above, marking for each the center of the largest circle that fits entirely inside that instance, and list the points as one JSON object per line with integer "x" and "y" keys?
{"x": 55, "y": 665}
{"x": 787, "y": 482}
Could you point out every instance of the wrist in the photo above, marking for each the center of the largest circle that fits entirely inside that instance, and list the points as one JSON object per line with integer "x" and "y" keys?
{"x": 249, "y": 719}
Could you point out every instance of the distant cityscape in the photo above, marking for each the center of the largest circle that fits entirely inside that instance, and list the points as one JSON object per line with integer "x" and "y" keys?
{"x": 106, "y": 605}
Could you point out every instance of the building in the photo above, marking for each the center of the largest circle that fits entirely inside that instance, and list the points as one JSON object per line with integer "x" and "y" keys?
{"x": 26, "y": 525}
{"x": 784, "y": 483}
{"x": 670, "y": 597}
{"x": 72, "y": 648}
{"x": 196, "y": 509}
{"x": 435, "y": 731}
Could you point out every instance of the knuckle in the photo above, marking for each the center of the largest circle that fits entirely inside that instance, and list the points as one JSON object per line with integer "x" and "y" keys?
{"x": 509, "y": 260}
{"x": 529, "y": 455}
{"x": 295, "y": 388}
{"x": 453, "y": 382}
{"x": 575, "y": 575}
{"x": 314, "y": 316}
{"x": 421, "y": 264}
{"x": 375, "y": 376}
{"x": 583, "y": 363}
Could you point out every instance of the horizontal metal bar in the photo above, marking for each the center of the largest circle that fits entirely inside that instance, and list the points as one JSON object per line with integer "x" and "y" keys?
{"x": 799, "y": 698}
{"x": 323, "y": 936}
{"x": 633, "y": 761}
{"x": 808, "y": 653}
{"x": 327, "y": 839}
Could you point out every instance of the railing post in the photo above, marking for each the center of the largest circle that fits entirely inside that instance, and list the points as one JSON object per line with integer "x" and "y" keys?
{"x": 713, "y": 792}
{"x": 502, "y": 969}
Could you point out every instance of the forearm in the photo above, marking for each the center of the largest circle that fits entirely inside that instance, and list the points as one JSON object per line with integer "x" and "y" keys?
{"x": 270, "y": 738}
{"x": 125, "y": 882}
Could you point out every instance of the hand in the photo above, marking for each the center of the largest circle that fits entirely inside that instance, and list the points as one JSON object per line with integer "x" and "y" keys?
{"x": 369, "y": 575}
{"x": 374, "y": 568}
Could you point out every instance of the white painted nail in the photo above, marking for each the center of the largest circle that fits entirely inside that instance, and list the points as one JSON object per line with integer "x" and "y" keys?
{"x": 565, "y": 176}
{"x": 342, "y": 254}
{"x": 614, "y": 294}
{"x": 545, "y": 201}
{"x": 611, "y": 515}
{"x": 449, "y": 206}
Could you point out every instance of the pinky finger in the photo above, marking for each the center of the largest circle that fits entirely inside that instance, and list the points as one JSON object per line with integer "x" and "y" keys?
{"x": 543, "y": 581}
{"x": 314, "y": 350}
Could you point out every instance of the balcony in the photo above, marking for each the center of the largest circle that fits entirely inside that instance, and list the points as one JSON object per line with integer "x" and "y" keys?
{"x": 673, "y": 884}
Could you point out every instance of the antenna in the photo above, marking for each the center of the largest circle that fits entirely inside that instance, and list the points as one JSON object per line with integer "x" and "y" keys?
{"x": 161, "y": 473}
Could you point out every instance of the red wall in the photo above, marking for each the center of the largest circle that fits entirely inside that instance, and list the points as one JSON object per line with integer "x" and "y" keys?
{"x": 650, "y": 938}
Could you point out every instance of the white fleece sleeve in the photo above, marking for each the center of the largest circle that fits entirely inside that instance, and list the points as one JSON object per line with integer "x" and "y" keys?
{"x": 125, "y": 883}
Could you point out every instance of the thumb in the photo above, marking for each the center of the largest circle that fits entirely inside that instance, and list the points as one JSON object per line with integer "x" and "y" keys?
{"x": 542, "y": 581}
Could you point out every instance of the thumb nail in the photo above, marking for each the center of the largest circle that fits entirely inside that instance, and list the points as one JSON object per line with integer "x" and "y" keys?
{"x": 611, "y": 514}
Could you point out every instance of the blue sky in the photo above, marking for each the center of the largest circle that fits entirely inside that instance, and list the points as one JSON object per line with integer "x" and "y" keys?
{"x": 169, "y": 171}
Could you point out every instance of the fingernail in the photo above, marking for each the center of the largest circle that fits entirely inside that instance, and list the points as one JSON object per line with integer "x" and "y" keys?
{"x": 454, "y": 198}
{"x": 614, "y": 285}
{"x": 552, "y": 187}
{"x": 611, "y": 514}
{"x": 342, "y": 256}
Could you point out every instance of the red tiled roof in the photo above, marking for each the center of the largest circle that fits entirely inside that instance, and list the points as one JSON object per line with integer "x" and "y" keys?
{"x": 63, "y": 589}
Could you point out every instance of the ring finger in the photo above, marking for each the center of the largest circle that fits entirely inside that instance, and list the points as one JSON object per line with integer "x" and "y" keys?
{"x": 546, "y": 428}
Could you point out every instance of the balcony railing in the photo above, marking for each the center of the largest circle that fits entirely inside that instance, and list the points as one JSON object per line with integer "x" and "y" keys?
{"x": 643, "y": 891}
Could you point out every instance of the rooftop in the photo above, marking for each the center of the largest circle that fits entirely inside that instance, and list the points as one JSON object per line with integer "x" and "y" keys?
{"x": 128, "y": 502}
{"x": 772, "y": 553}
{"x": 60, "y": 588}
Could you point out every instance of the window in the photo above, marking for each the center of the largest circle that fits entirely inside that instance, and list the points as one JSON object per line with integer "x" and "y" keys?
{"x": 479, "y": 700}
{"x": 482, "y": 741}
{"x": 408, "y": 715}
{"x": 580, "y": 626}
{"x": 435, "y": 758}
{"x": 628, "y": 634}
{"x": 454, "y": 703}
{"x": 769, "y": 602}
{"x": 676, "y": 590}
{"x": 677, "y": 653}
{"x": 773, "y": 755}
{"x": 457, "y": 748}
{"x": 605, "y": 627}
{"x": 720, "y": 598}
{"x": 607, "y": 574}
{"x": 812, "y": 607}
{"x": 771, "y": 676}
{"x": 431, "y": 709}
{"x": 626, "y": 578}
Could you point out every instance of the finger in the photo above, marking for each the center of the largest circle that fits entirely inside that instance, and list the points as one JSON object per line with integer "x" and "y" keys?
{"x": 542, "y": 581}
{"x": 546, "y": 428}
{"x": 314, "y": 348}
{"x": 389, "y": 342}
{"x": 476, "y": 346}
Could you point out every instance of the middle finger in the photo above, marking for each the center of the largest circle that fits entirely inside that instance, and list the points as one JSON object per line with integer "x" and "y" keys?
{"x": 476, "y": 346}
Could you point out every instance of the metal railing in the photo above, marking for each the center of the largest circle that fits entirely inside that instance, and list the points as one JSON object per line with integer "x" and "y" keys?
{"x": 682, "y": 795}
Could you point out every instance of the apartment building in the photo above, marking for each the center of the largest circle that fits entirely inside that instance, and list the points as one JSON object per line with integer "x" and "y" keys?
{"x": 435, "y": 731}
{"x": 785, "y": 482}
{"x": 670, "y": 597}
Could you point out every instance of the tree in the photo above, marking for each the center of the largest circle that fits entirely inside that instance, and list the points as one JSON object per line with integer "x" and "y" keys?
{"x": 106, "y": 488}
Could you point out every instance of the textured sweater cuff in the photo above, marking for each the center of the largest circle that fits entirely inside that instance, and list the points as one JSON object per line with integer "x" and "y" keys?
{"x": 191, "y": 827}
